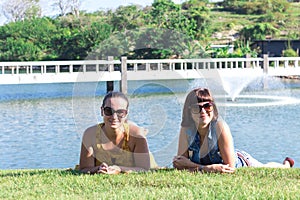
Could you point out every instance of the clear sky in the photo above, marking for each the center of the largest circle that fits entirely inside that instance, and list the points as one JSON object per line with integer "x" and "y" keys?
{"x": 88, "y": 5}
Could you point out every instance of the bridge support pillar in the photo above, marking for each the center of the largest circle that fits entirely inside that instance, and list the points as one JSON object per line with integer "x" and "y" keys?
{"x": 248, "y": 63}
{"x": 266, "y": 63}
{"x": 110, "y": 84}
{"x": 265, "y": 70}
{"x": 123, "y": 82}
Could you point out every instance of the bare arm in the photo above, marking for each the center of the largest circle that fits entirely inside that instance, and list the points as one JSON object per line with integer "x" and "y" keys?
{"x": 183, "y": 144}
{"x": 141, "y": 157}
{"x": 87, "y": 161}
{"x": 182, "y": 161}
{"x": 139, "y": 145}
{"x": 225, "y": 143}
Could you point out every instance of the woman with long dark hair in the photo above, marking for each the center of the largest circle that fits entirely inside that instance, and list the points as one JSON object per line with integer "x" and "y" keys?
{"x": 205, "y": 141}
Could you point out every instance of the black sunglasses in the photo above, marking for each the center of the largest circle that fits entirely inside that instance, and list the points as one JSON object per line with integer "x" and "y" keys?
{"x": 108, "y": 111}
{"x": 196, "y": 108}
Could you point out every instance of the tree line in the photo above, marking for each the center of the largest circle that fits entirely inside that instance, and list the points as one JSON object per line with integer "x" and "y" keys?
{"x": 162, "y": 30}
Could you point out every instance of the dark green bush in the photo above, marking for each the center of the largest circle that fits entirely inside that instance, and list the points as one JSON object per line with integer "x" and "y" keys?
{"x": 289, "y": 53}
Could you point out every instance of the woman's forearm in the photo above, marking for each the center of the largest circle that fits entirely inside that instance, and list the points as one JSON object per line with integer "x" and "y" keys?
{"x": 132, "y": 169}
{"x": 90, "y": 170}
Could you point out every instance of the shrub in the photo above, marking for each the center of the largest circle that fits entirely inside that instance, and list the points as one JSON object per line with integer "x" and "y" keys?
{"x": 289, "y": 53}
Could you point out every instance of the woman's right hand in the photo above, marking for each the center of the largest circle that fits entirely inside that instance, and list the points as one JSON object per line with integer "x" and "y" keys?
{"x": 221, "y": 168}
{"x": 182, "y": 162}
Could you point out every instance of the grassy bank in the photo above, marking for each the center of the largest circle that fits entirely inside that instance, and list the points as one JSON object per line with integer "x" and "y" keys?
{"x": 229, "y": 23}
{"x": 246, "y": 183}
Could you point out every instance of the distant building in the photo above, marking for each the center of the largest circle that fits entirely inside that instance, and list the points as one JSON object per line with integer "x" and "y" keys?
{"x": 275, "y": 48}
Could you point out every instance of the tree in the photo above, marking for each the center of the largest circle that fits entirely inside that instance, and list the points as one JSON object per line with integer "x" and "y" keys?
{"x": 127, "y": 17}
{"x": 75, "y": 7}
{"x": 68, "y": 6}
{"x": 199, "y": 18}
{"x": 74, "y": 40}
{"x": 165, "y": 14}
{"x": 19, "y": 10}
{"x": 63, "y": 6}
{"x": 27, "y": 40}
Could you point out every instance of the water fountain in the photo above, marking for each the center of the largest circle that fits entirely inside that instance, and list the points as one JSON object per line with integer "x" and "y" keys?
{"x": 249, "y": 87}
{"x": 235, "y": 80}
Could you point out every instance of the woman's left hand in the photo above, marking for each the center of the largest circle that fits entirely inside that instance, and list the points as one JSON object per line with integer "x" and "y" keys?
{"x": 105, "y": 169}
{"x": 221, "y": 168}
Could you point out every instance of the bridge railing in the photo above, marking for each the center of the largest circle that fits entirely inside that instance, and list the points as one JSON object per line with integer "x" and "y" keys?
{"x": 193, "y": 64}
{"x": 56, "y": 67}
{"x": 284, "y": 62}
{"x": 43, "y": 67}
{"x": 282, "y": 66}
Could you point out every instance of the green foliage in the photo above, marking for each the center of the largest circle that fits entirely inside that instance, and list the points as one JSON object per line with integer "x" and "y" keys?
{"x": 115, "y": 45}
{"x": 258, "y": 31}
{"x": 126, "y": 17}
{"x": 75, "y": 40}
{"x": 241, "y": 50}
{"x": 222, "y": 52}
{"x": 271, "y": 17}
{"x": 26, "y": 40}
{"x": 193, "y": 49}
{"x": 191, "y": 19}
{"x": 256, "y": 6}
{"x": 199, "y": 16}
{"x": 19, "y": 50}
{"x": 166, "y": 14}
{"x": 46, "y": 39}
{"x": 277, "y": 5}
{"x": 289, "y": 53}
{"x": 293, "y": 35}
{"x": 147, "y": 43}
{"x": 182, "y": 31}
{"x": 33, "y": 11}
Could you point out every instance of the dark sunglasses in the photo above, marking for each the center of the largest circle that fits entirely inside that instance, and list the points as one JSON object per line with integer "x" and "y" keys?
{"x": 108, "y": 111}
{"x": 196, "y": 108}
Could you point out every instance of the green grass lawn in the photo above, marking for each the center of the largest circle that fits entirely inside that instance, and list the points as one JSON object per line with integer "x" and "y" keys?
{"x": 245, "y": 183}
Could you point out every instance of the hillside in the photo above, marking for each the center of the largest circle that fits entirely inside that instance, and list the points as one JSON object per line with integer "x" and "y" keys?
{"x": 226, "y": 24}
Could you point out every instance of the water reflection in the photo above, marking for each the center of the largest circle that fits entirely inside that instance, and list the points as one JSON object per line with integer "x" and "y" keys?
{"x": 43, "y": 130}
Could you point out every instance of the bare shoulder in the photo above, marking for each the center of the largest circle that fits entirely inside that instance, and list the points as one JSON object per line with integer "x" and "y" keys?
{"x": 222, "y": 124}
{"x": 137, "y": 131}
{"x": 184, "y": 129}
{"x": 90, "y": 132}
{"x": 222, "y": 127}
{"x": 183, "y": 134}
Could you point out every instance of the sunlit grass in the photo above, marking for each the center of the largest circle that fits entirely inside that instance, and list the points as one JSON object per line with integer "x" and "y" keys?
{"x": 246, "y": 183}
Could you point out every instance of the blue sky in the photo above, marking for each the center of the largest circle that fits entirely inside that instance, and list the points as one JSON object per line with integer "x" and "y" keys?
{"x": 88, "y": 5}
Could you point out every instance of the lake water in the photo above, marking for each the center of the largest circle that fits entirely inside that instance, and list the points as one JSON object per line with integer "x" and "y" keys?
{"x": 42, "y": 124}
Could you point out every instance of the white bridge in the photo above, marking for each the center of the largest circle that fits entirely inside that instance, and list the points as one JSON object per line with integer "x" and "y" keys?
{"x": 156, "y": 69}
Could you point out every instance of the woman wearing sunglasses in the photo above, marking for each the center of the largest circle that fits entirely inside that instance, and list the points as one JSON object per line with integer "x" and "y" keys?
{"x": 115, "y": 145}
{"x": 205, "y": 141}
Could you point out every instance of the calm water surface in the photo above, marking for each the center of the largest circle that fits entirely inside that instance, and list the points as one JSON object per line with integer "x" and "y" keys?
{"x": 42, "y": 125}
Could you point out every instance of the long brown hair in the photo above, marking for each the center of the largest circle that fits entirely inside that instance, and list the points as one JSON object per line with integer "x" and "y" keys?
{"x": 197, "y": 95}
{"x": 115, "y": 95}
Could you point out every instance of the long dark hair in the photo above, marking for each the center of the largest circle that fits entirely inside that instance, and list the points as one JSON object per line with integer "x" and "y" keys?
{"x": 197, "y": 95}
